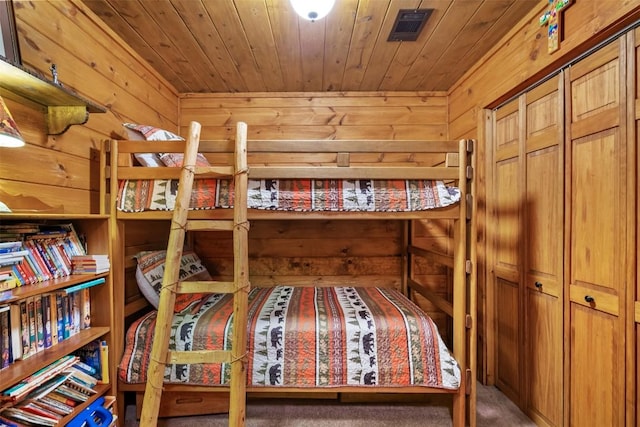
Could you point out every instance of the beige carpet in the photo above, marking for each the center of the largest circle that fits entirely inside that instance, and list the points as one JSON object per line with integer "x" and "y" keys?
{"x": 494, "y": 410}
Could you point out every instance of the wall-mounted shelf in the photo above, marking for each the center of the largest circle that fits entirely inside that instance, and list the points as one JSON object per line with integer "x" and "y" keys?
{"x": 64, "y": 107}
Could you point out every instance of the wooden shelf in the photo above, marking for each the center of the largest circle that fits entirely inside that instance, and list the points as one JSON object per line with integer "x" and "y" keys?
{"x": 23, "y": 368}
{"x": 25, "y": 291}
{"x": 64, "y": 107}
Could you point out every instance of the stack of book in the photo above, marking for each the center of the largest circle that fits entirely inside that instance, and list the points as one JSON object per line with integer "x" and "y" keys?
{"x": 38, "y": 322}
{"x": 12, "y": 256}
{"x": 50, "y": 394}
{"x": 37, "y": 252}
{"x": 90, "y": 264}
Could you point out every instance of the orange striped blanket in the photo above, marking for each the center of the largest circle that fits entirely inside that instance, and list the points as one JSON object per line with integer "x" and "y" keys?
{"x": 293, "y": 195}
{"x": 306, "y": 337}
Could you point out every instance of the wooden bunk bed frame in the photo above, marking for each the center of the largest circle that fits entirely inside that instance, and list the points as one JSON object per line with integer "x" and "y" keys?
{"x": 450, "y": 161}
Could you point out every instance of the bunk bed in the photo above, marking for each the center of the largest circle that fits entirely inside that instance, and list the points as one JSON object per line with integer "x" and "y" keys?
{"x": 303, "y": 180}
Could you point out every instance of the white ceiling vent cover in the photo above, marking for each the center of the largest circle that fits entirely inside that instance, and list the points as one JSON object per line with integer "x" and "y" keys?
{"x": 408, "y": 25}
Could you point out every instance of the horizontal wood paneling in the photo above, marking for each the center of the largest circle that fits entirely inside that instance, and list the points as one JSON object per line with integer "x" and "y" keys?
{"x": 95, "y": 63}
{"x": 320, "y": 116}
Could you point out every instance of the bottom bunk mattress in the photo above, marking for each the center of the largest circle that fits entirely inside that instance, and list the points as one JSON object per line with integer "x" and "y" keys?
{"x": 305, "y": 337}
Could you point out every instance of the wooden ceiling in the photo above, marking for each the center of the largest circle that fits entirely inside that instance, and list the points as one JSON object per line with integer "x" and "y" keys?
{"x": 263, "y": 46}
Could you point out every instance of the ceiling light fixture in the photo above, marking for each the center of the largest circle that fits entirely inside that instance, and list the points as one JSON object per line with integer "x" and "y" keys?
{"x": 312, "y": 10}
{"x": 9, "y": 133}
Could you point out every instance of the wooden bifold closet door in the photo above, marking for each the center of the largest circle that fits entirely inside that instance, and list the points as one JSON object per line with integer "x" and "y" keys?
{"x": 597, "y": 226}
{"x": 527, "y": 205}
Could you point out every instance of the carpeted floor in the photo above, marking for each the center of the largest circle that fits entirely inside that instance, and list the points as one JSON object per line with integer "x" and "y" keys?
{"x": 494, "y": 410}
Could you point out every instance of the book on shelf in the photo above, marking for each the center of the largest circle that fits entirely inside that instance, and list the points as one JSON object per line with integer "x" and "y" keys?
{"x": 21, "y": 389}
{"x": 90, "y": 360}
{"x": 90, "y": 264}
{"x": 37, "y": 409}
{"x": 6, "y": 354}
{"x": 55, "y": 405}
{"x": 20, "y": 415}
{"x": 15, "y": 322}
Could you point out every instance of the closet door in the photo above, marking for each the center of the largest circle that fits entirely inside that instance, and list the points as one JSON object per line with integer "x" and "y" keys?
{"x": 543, "y": 252}
{"x": 634, "y": 87}
{"x": 507, "y": 257}
{"x": 597, "y": 228}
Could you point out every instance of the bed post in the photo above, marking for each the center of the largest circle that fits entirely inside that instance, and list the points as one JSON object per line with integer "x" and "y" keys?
{"x": 463, "y": 307}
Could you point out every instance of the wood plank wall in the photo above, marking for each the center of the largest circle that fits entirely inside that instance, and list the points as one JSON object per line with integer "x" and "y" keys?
{"x": 516, "y": 62}
{"x": 62, "y": 171}
{"x": 361, "y": 253}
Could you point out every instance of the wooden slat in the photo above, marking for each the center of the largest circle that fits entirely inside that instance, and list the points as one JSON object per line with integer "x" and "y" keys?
{"x": 433, "y": 256}
{"x": 172, "y": 173}
{"x": 435, "y": 299}
{"x": 195, "y": 225}
{"x": 354, "y": 172}
{"x": 199, "y": 356}
{"x": 205, "y": 287}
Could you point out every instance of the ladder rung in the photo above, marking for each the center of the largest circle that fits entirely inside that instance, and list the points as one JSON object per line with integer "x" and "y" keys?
{"x": 206, "y": 287}
{"x": 199, "y": 356}
{"x": 214, "y": 171}
{"x": 203, "y": 224}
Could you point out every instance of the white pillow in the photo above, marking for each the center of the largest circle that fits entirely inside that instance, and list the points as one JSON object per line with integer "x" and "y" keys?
{"x": 150, "y": 271}
{"x": 149, "y": 133}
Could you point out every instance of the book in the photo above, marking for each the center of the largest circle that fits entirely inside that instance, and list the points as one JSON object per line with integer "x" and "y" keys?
{"x": 39, "y": 323}
{"x": 36, "y": 409}
{"x": 90, "y": 264}
{"x": 85, "y": 308}
{"x": 17, "y": 414}
{"x": 33, "y": 381}
{"x": 82, "y": 376}
{"x": 71, "y": 393}
{"x": 59, "y": 315}
{"x": 104, "y": 362}
{"x": 24, "y": 330}
{"x": 46, "y": 320}
{"x": 5, "y": 338}
{"x": 89, "y": 356}
{"x": 62, "y": 399}
{"x": 31, "y": 317}
{"x": 48, "y": 386}
{"x": 55, "y": 405}
{"x": 83, "y": 285}
{"x": 16, "y": 330}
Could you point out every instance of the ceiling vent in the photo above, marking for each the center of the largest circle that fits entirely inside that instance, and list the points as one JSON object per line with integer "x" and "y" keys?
{"x": 408, "y": 25}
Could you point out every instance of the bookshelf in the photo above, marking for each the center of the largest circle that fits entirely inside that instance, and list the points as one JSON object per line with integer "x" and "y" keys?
{"x": 95, "y": 232}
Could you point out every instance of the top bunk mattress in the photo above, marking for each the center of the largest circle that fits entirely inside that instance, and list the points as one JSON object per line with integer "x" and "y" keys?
{"x": 299, "y": 195}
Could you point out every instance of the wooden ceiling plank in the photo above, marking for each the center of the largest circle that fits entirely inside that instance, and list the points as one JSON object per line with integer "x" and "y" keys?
{"x": 312, "y": 36}
{"x": 139, "y": 16}
{"x": 367, "y": 29}
{"x": 284, "y": 25}
{"x": 384, "y": 51}
{"x": 206, "y": 37}
{"x": 456, "y": 18}
{"x": 179, "y": 32}
{"x": 339, "y": 30}
{"x": 408, "y": 52}
{"x": 257, "y": 29}
{"x": 224, "y": 16}
{"x": 473, "y": 42}
{"x": 108, "y": 13}
{"x": 508, "y": 20}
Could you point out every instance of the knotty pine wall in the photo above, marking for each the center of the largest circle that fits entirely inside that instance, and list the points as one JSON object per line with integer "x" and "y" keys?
{"x": 319, "y": 252}
{"x": 519, "y": 60}
{"x": 61, "y": 171}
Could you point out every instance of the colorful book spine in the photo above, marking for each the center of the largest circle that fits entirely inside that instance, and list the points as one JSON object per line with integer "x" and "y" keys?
{"x": 24, "y": 330}
{"x": 39, "y": 323}
{"x": 31, "y": 313}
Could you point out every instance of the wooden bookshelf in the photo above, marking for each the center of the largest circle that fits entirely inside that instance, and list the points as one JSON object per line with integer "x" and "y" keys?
{"x": 95, "y": 229}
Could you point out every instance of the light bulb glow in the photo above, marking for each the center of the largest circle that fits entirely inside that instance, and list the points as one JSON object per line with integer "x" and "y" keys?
{"x": 312, "y": 10}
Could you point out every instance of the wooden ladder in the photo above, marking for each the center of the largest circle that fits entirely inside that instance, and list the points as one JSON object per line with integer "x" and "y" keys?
{"x": 171, "y": 285}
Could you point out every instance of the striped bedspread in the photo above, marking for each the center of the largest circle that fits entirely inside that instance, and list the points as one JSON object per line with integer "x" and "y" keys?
{"x": 306, "y": 337}
{"x": 293, "y": 195}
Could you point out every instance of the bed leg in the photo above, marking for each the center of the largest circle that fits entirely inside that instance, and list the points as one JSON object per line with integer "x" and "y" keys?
{"x": 459, "y": 407}
{"x": 121, "y": 407}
